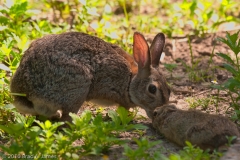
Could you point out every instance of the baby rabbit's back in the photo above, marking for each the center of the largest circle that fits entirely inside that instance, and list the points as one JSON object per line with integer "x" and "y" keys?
{"x": 201, "y": 129}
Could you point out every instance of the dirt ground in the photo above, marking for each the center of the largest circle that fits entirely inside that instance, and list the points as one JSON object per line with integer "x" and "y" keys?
{"x": 177, "y": 51}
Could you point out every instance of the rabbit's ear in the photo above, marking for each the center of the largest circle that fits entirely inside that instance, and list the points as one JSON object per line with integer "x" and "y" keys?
{"x": 141, "y": 54}
{"x": 157, "y": 48}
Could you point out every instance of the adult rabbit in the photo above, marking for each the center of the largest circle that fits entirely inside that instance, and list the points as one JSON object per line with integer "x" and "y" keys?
{"x": 59, "y": 72}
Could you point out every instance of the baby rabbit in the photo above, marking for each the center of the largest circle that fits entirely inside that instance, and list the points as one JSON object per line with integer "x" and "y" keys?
{"x": 201, "y": 129}
{"x": 58, "y": 73}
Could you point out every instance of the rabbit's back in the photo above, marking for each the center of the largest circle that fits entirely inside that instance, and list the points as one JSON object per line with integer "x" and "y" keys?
{"x": 56, "y": 67}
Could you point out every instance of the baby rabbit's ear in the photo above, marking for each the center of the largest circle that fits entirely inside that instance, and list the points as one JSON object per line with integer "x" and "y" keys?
{"x": 157, "y": 48}
{"x": 141, "y": 54}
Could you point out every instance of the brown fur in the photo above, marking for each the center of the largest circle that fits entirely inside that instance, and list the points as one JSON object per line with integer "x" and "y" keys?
{"x": 59, "y": 72}
{"x": 204, "y": 130}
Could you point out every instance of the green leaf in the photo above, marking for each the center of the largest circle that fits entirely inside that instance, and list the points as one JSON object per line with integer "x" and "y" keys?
{"x": 170, "y": 67}
{"x": 193, "y": 7}
{"x": 83, "y": 120}
{"x": 9, "y": 106}
{"x": 12, "y": 128}
{"x": 75, "y": 156}
{"x": 226, "y": 57}
{"x": 19, "y": 8}
{"x": 48, "y": 124}
{"x": 136, "y": 126}
{"x": 114, "y": 116}
{"x": 175, "y": 157}
{"x": 140, "y": 126}
{"x": 3, "y": 21}
{"x": 41, "y": 124}
{"x": 217, "y": 86}
{"x": 231, "y": 41}
{"x": 123, "y": 114}
{"x": 97, "y": 121}
{"x": 209, "y": 14}
{"x": 222, "y": 40}
{"x": 233, "y": 85}
{"x": 18, "y": 94}
{"x": 7, "y": 129}
{"x": 231, "y": 69}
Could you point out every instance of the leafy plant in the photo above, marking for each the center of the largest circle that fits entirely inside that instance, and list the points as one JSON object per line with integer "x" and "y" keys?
{"x": 97, "y": 135}
{"x": 196, "y": 74}
{"x": 232, "y": 85}
{"x": 142, "y": 150}
{"x": 203, "y": 102}
{"x": 191, "y": 152}
{"x": 201, "y": 16}
{"x": 230, "y": 139}
{"x": 13, "y": 18}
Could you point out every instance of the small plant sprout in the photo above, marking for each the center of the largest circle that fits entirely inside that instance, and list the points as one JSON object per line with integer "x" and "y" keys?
{"x": 170, "y": 67}
{"x": 231, "y": 139}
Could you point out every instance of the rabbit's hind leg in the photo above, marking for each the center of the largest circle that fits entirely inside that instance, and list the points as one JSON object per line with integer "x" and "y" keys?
{"x": 24, "y": 105}
{"x": 71, "y": 108}
{"x": 59, "y": 110}
{"x": 37, "y": 107}
{"x": 47, "y": 109}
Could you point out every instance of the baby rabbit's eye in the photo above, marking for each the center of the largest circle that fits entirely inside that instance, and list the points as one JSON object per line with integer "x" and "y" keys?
{"x": 152, "y": 88}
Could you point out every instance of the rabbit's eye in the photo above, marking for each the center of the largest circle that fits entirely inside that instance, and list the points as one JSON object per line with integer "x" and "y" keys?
{"x": 152, "y": 88}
